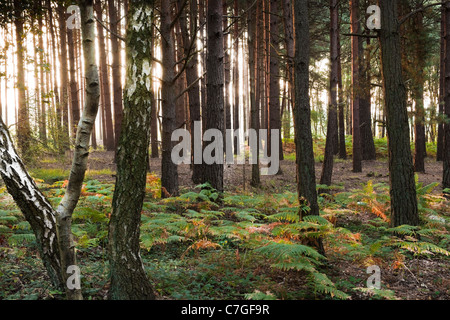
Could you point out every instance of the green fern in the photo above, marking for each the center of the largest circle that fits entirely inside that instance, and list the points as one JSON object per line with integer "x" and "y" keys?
{"x": 322, "y": 284}
{"x": 21, "y": 238}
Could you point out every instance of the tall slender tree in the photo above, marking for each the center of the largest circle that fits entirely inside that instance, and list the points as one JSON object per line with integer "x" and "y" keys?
{"x": 355, "y": 29}
{"x": 128, "y": 277}
{"x": 23, "y": 125}
{"x": 108, "y": 138}
{"x": 306, "y": 179}
{"x": 115, "y": 69}
{"x": 169, "y": 171}
{"x": 214, "y": 117}
{"x": 330, "y": 144}
{"x": 401, "y": 171}
{"x": 446, "y": 149}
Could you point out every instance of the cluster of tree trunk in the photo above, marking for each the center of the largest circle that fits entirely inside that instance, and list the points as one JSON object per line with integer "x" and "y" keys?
{"x": 130, "y": 117}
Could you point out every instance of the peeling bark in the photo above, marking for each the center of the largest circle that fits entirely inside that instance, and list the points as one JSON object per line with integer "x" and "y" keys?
{"x": 33, "y": 204}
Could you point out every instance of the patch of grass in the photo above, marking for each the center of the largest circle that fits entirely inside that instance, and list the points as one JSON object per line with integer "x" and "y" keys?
{"x": 50, "y": 175}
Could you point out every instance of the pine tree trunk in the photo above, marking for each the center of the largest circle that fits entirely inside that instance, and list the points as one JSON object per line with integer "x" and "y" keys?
{"x": 169, "y": 172}
{"x": 327, "y": 169}
{"x": 254, "y": 120}
{"x": 401, "y": 172}
{"x": 213, "y": 173}
{"x": 116, "y": 73}
{"x": 365, "y": 114}
{"x": 23, "y": 124}
{"x": 74, "y": 103}
{"x": 341, "y": 104}
{"x": 417, "y": 93}
{"x": 63, "y": 139}
{"x": 306, "y": 180}
{"x": 446, "y": 149}
{"x": 43, "y": 92}
{"x": 128, "y": 277}
{"x": 227, "y": 75}
{"x": 236, "y": 88}
{"x": 108, "y": 139}
{"x": 274, "y": 83}
{"x": 355, "y": 29}
{"x": 440, "y": 134}
{"x": 190, "y": 48}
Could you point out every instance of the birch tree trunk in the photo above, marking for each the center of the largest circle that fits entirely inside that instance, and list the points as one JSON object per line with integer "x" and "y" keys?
{"x": 33, "y": 204}
{"x": 128, "y": 278}
{"x": 82, "y": 143}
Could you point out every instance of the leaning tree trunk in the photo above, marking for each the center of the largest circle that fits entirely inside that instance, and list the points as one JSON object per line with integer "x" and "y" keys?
{"x": 128, "y": 278}
{"x": 52, "y": 228}
{"x": 34, "y": 206}
{"x": 82, "y": 143}
{"x": 306, "y": 179}
{"x": 401, "y": 172}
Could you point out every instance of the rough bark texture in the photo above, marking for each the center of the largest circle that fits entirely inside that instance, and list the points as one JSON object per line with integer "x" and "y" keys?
{"x": 128, "y": 278}
{"x": 169, "y": 172}
{"x": 401, "y": 174}
{"x": 213, "y": 173}
{"x": 306, "y": 180}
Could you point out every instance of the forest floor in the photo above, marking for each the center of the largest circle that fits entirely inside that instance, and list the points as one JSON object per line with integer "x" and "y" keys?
{"x": 102, "y": 167}
{"x": 411, "y": 269}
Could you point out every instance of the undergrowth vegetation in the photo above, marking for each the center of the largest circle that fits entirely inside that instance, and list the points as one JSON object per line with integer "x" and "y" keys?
{"x": 245, "y": 246}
